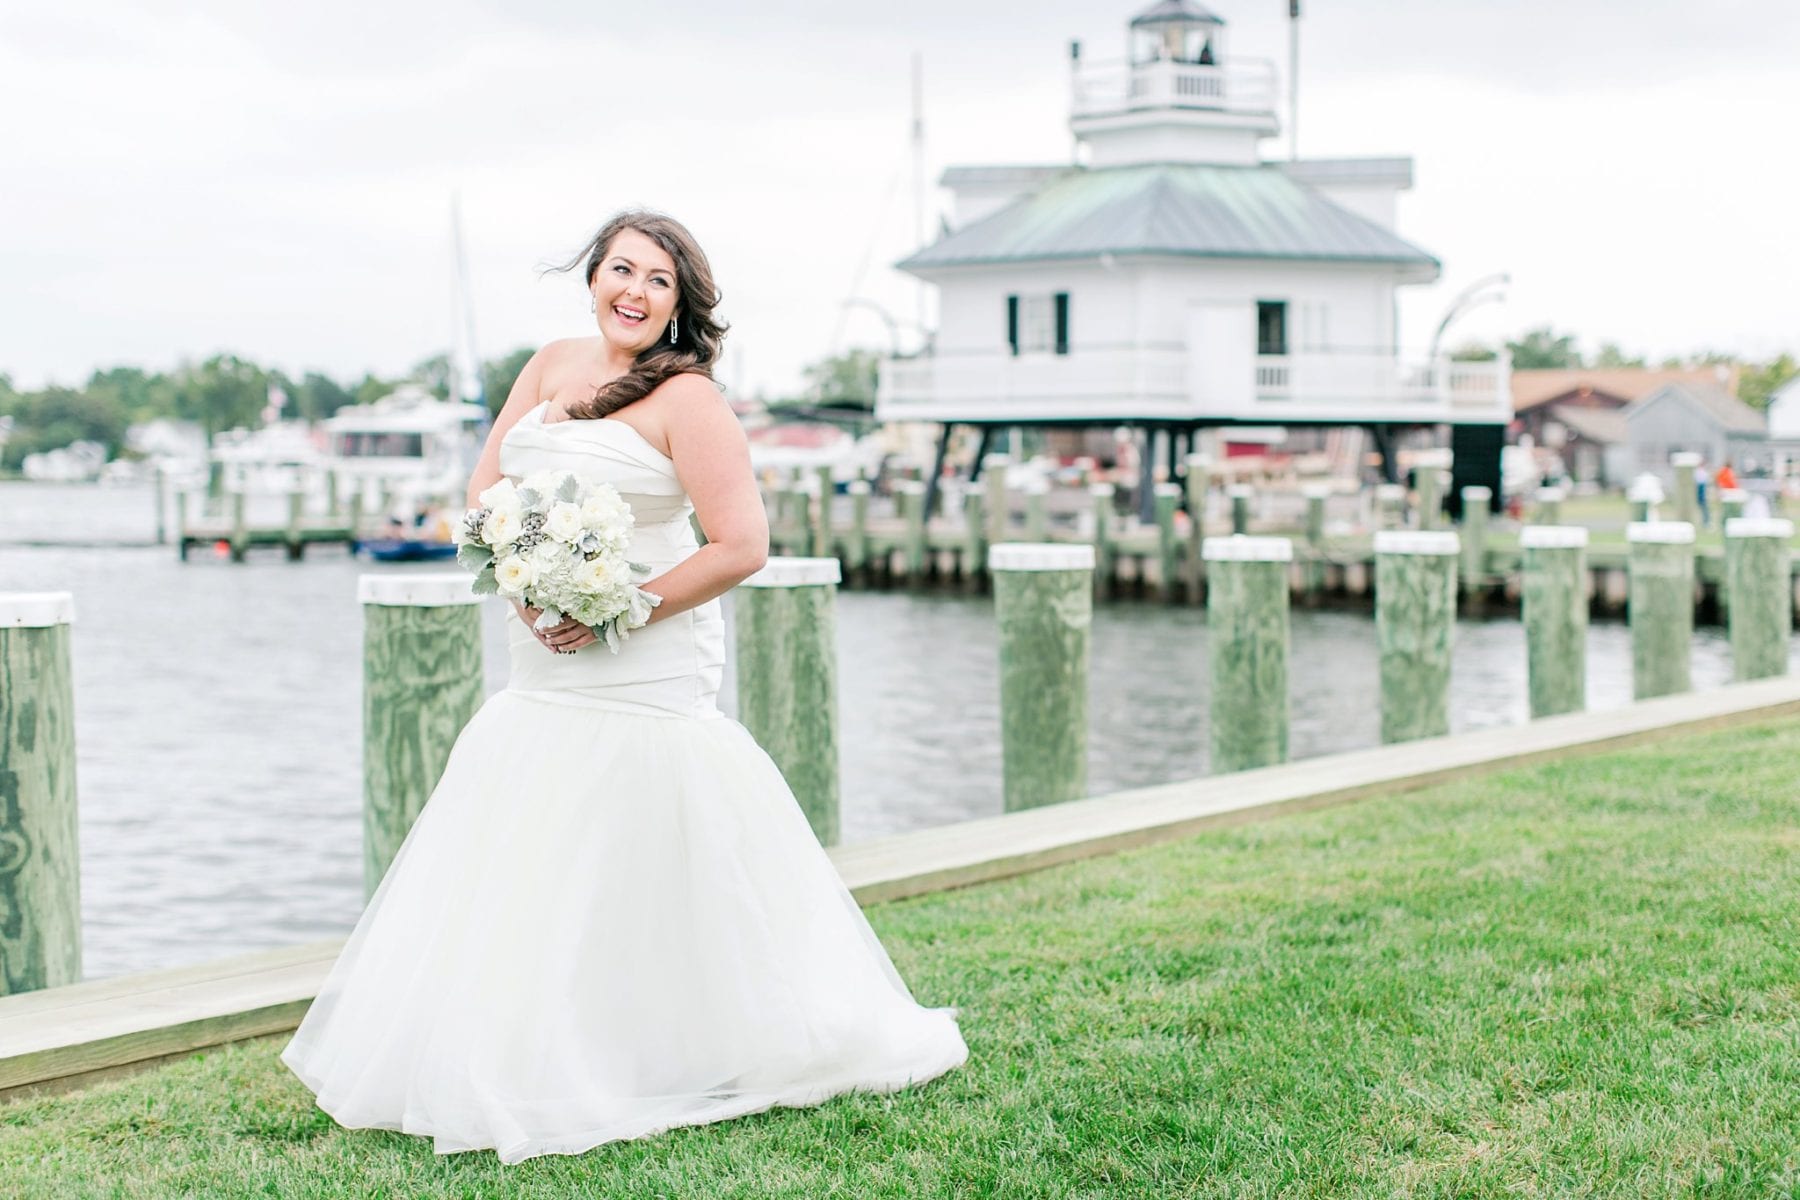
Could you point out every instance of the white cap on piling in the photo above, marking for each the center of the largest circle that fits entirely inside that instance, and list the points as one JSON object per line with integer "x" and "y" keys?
{"x": 1684, "y": 458}
{"x": 1040, "y": 556}
{"x": 1775, "y": 527}
{"x": 1167, "y": 489}
{"x": 1437, "y": 456}
{"x": 1100, "y": 489}
{"x": 1476, "y": 491}
{"x": 914, "y": 487}
{"x": 1240, "y": 489}
{"x": 36, "y": 610}
{"x": 415, "y": 591}
{"x": 1553, "y": 537}
{"x": 858, "y": 487}
{"x": 1243, "y": 548}
{"x": 1416, "y": 541}
{"x": 1672, "y": 533}
{"x": 1733, "y": 495}
{"x": 1550, "y": 493}
{"x": 1389, "y": 491}
{"x": 796, "y": 572}
{"x": 1316, "y": 490}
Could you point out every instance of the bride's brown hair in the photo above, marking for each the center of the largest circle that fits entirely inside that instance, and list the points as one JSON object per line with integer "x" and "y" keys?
{"x": 696, "y": 347}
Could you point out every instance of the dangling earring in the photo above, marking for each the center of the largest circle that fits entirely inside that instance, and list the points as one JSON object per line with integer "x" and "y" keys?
{"x": 671, "y": 331}
{"x": 593, "y": 302}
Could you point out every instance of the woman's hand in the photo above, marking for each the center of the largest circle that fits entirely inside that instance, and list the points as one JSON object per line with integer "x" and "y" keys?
{"x": 566, "y": 638}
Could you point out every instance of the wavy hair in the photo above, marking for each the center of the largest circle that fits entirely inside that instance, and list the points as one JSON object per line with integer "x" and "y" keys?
{"x": 699, "y": 333}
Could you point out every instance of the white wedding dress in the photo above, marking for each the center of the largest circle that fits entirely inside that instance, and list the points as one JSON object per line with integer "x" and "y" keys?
{"x": 611, "y": 917}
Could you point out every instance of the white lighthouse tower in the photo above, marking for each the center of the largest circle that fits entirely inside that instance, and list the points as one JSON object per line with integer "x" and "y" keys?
{"x": 1173, "y": 279}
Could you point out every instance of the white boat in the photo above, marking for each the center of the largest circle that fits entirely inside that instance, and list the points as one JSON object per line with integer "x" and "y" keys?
{"x": 273, "y": 460}
{"x": 78, "y": 462}
{"x": 409, "y": 444}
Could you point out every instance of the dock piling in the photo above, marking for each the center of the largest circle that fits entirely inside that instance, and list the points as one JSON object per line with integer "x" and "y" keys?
{"x": 1661, "y": 605}
{"x": 1556, "y": 617}
{"x": 787, "y": 678}
{"x": 1102, "y": 496}
{"x": 993, "y": 468}
{"x": 1415, "y": 620}
{"x": 1313, "y": 578}
{"x": 1043, "y": 600}
{"x": 40, "y": 862}
{"x": 421, "y": 683}
{"x": 1687, "y": 500}
{"x": 1761, "y": 616}
{"x": 1472, "y": 575}
{"x": 1168, "y": 543}
{"x": 856, "y": 545}
{"x": 1247, "y": 650}
{"x": 1240, "y": 509}
{"x": 1195, "y": 485}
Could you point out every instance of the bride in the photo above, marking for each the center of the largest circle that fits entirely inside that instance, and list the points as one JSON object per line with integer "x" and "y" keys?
{"x": 612, "y": 918}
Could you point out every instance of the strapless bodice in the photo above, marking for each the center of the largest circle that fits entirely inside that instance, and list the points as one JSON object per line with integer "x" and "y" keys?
{"x": 670, "y": 668}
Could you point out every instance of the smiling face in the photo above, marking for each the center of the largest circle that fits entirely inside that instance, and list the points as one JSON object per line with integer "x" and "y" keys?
{"x": 634, "y": 292}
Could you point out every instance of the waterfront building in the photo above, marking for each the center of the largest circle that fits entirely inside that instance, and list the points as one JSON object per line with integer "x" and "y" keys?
{"x": 1172, "y": 278}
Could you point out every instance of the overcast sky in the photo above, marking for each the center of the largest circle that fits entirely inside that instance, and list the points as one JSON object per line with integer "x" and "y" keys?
{"x": 178, "y": 179}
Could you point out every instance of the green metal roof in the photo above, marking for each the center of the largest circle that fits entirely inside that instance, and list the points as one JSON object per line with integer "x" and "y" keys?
{"x": 1183, "y": 209}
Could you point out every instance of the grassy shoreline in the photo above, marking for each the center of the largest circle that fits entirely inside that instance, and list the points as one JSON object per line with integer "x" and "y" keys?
{"x": 1576, "y": 979}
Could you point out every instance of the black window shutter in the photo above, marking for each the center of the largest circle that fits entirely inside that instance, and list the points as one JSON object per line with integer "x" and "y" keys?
{"x": 1012, "y": 324}
{"x": 1062, "y": 322}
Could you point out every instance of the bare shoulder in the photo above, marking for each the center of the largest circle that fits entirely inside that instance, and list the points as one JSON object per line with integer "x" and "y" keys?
{"x": 686, "y": 390}
{"x": 687, "y": 400}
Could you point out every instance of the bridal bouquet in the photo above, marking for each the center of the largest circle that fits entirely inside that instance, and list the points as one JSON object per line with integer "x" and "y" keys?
{"x": 557, "y": 542}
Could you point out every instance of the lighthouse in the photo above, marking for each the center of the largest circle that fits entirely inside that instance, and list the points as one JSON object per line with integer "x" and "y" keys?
{"x": 1172, "y": 278}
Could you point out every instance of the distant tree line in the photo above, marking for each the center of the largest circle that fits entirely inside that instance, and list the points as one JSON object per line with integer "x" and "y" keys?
{"x": 223, "y": 392}
{"x": 1545, "y": 347}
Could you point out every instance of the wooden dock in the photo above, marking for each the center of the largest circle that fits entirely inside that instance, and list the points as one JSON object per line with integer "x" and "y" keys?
{"x": 1161, "y": 561}
{"x": 65, "y": 1037}
{"x": 222, "y": 521}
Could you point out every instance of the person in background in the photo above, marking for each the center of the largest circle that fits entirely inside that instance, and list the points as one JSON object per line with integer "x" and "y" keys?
{"x": 1702, "y": 477}
{"x": 1726, "y": 478}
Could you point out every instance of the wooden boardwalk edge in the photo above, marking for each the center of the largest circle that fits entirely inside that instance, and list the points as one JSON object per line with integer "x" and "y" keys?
{"x": 58, "y": 1038}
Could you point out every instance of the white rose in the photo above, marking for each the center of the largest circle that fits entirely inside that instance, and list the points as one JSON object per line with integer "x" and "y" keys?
{"x": 594, "y": 575}
{"x": 514, "y": 574}
{"x": 501, "y": 495}
{"x": 563, "y": 521}
{"x": 502, "y": 526}
{"x": 603, "y": 509}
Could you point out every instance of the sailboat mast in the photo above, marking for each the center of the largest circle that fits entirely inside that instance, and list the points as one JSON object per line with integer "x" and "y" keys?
{"x": 918, "y": 149}
{"x": 465, "y": 365}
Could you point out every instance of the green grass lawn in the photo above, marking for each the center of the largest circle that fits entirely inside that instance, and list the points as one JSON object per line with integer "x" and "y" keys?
{"x": 1574, "y": 980}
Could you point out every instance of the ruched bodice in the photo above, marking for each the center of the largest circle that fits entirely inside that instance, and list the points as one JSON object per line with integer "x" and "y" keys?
{"x": 672, "y": 667}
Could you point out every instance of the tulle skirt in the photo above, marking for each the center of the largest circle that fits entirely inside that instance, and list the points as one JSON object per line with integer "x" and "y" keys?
{"x": 602, "y": 925}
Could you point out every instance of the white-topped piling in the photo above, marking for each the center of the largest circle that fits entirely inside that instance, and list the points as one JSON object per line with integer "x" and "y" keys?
{"x": 422, "y": 682}
{"x": 1761, "y": 615}
{"x": 1661, "y": 606}
{"x": 787, "y": 690}
{"x": 1043, "y": 600}
{"x": 1556, "y": 617}
{"x": 1247, "y": 650}
{"x": 1415, "y": 620}
{"x": 40, "y": 859}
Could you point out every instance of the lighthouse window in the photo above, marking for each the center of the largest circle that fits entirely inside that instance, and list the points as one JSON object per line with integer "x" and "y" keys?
{"x": 1271, "y": 327}
{"x": 1038, "y": 324}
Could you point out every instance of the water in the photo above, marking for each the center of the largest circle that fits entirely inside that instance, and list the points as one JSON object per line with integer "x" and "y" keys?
{"x": 219, "y": 720}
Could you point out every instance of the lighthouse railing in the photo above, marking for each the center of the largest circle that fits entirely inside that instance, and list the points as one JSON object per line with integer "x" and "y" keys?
{"x": 1238, "y": 85}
